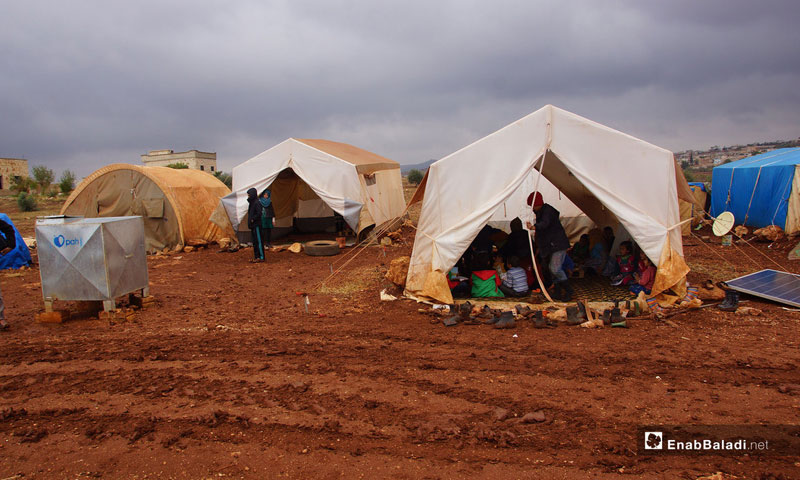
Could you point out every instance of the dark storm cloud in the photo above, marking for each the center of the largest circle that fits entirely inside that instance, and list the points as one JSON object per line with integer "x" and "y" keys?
{"x": 91, "y": 83}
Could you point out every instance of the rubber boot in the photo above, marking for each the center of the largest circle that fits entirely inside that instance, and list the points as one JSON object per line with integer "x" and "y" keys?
{"x": 555, "y": 292}
{"x": 538, "y": 320}
{"x": 572, "y": 316}
{"x": 567, "y": 288}
{"x": 505, "y": 320}
{"x": 582, "y": 310}
{"x": 731, "y": 302}
{"x": 464, "y": 311}
{"x": 486, "y": 313}
{"x": 523, "y": 310}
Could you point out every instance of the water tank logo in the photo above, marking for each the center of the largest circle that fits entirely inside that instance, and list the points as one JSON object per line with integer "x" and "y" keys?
{"x": 59, "y": 241}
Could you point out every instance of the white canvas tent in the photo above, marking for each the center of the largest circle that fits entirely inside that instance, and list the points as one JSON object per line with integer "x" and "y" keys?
{"x": 314, "y": 178}
{"x": 610, "y": 176}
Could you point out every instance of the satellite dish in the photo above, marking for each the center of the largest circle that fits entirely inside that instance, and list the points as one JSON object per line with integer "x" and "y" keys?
{"x": 723, "y": 223}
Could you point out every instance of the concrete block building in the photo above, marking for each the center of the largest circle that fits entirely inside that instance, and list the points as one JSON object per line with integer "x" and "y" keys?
{"x": 196, "y": 160}
{"x": 9, "y": 168}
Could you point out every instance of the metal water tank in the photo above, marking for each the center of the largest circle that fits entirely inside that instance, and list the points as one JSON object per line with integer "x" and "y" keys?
{"x": 91, "y": 258}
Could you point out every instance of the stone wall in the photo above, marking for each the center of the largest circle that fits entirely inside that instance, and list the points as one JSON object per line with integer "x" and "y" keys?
{"x": 196, "y": 160}
{"x": 10, "y": 167}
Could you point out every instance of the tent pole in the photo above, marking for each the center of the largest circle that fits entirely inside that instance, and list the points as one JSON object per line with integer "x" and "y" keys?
{"x": 548, "y": 139}
{"x": 536, "y": 270}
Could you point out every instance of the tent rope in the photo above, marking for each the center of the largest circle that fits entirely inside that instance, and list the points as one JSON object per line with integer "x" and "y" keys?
{"x": 784, "y": 198}
{"x": 751, "y": 246}
{"x": 752, "y": 195}
{"x": 735, "y": 267}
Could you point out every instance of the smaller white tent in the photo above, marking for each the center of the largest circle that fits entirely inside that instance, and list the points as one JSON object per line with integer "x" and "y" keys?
{"x": 613, "y": 178}
{"x": 315, "y": 178}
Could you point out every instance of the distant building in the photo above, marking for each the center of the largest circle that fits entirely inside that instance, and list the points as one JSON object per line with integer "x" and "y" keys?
{"x": 194, "y": 159}
{"x": 9, "y": 168}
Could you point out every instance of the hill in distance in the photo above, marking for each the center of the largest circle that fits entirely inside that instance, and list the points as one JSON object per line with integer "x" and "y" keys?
{"x": 404, "y": 169}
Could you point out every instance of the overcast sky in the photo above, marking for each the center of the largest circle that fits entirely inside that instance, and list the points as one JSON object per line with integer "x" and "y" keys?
{"x": 87, "y": 83}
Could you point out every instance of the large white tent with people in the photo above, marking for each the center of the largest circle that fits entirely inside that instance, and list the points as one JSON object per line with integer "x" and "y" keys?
{"x": 615, "y": 179}
{"x": 313, "y": 180}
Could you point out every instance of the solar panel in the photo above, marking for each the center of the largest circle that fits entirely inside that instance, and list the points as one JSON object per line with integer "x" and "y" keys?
{"x": 773, "y": 285}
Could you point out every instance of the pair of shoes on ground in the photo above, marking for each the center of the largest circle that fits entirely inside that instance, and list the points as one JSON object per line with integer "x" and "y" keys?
{"x": 536, "y": 316}
{"x": 612, "y": 316}
{"x": 461, "y": 314}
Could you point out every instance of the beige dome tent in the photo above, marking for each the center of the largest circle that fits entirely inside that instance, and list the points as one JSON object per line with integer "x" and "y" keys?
{"x": 174, "y": 203}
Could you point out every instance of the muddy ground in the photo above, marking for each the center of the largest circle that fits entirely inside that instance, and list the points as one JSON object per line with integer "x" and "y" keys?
{"x": 228, "y": 377}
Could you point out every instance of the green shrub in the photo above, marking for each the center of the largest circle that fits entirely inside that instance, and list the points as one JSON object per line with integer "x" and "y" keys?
{"x": 22, "y": 184}
{"x": 415, "y": 176}
{"x": 225, "y": 178}
{"x": 43, "y": 176}
{"x": 26, "y": 202}
{"x": 178, "y": 165}
{"x": 67, "y": 182}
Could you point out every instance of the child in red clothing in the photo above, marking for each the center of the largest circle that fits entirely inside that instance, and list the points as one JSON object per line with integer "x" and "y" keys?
{"x": 645, "y": 279}
{"x": 626, "y": 264}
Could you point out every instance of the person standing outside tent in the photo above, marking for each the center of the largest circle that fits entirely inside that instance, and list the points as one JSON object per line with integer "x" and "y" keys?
{"x": 8, "y": 242}
{"x": 254, "y": 212}
{"x": 552, "y": 244}
{"x": 267, "y": 213}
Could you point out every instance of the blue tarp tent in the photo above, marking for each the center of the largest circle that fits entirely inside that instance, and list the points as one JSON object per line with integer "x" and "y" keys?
{"x": 18, "y": 257}
{"x": 761, "y": 190}
{"x": 700, "y": 185}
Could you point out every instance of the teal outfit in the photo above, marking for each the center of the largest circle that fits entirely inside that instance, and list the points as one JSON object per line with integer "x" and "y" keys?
{"x": 267, "y": 212}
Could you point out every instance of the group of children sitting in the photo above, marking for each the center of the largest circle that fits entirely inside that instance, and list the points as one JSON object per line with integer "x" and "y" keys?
{"x": 497, "y": 265}
{"x": 630, "y": 267}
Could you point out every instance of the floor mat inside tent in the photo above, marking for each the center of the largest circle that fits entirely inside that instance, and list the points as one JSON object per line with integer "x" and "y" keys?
{"x": 599, "y": 289}
{"x": 592, "y": 288}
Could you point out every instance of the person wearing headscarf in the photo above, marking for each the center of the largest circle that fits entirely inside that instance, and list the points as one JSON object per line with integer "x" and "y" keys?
{"x": 267, "y": 213}
{"x": 254, "y": 214}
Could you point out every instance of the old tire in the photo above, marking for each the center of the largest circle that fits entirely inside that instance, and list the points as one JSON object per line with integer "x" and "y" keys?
{"x": 321, "y": 248}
